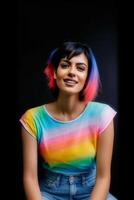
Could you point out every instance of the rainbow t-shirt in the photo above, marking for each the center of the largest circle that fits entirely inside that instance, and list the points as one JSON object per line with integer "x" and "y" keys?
{"x": 68, "y": 147}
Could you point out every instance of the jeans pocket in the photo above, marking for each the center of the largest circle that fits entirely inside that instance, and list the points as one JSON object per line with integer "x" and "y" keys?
{"x": 90, "y": 178}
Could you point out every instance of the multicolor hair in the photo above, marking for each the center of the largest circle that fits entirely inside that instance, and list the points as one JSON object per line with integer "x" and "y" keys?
{"x": 69, "y": 50}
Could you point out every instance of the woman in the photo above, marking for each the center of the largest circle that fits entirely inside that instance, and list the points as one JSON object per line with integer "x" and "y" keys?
{"x": 73, "y": 134}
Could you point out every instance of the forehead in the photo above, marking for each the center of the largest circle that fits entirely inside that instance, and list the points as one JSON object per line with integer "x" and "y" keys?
{"x": 81, "y": 58}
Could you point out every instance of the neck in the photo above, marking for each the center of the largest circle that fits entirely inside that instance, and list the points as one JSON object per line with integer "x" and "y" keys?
{"x": 69, "y": 104}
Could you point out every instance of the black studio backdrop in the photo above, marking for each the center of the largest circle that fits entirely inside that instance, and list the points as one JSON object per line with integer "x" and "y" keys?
{"x": 41, "y": 27}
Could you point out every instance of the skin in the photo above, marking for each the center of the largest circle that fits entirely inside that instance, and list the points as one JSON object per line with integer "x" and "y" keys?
{"x": 67, "y": 107}
{"x": 103, "y": 160}
{"x": 30, "y": 177}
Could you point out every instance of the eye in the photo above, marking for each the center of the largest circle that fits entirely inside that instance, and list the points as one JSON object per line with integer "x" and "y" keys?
{"x": 81, "y": 68}
{"x": 64, "y": 65}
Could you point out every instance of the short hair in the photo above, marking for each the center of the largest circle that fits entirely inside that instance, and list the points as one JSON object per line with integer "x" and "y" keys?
{"x": 69, "y": 50}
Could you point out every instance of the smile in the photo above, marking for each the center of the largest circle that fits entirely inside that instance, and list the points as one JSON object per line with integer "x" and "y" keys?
{"x": 70, "y": 82}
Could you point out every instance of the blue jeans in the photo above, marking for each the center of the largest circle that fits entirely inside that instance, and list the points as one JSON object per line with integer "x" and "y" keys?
{"x": 55, "y": 186}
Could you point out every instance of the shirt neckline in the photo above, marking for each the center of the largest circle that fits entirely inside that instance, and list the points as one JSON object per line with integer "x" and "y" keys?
{"x": 69, "y": 121}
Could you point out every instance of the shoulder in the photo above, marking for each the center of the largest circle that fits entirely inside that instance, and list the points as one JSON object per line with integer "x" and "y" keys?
{"x": 101, "y": 110}
{"x": 32, "y": 112}
{"x": 98, "y": 106}
{"x": 104, "y": 114}
{"x": 30, "y": 120}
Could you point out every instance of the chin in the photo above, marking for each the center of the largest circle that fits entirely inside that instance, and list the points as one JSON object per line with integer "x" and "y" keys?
{"x": 70, "y": 91}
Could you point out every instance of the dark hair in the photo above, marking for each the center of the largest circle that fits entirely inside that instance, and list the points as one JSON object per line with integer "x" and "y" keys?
{"x": 69, "y": 50}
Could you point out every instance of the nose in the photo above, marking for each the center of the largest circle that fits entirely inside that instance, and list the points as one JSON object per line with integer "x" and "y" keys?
{"x": 71, "y": 72}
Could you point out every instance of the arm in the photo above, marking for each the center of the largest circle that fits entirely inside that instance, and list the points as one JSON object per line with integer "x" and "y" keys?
{"x": 103, "y": 159}
{"x": 30, "y": 177}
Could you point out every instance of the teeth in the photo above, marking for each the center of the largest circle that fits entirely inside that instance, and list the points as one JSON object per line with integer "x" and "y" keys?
{"x": 70, "y": 81}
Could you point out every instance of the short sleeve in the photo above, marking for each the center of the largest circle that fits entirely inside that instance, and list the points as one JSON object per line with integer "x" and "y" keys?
{"x": 106, "y": 116}
{"x": 28, "y": 122}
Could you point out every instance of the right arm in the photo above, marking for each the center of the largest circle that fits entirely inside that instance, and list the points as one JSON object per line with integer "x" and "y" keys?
{"x": 30, "y": 171}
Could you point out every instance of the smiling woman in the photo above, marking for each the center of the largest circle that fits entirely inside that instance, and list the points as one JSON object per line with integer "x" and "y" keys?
{"x": 74, "y": 134}
{"x": 71, "y": 74}
{"x": 85, "y": 57}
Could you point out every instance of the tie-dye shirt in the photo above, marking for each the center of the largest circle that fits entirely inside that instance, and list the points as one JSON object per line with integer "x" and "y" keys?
{"x": 68, "y": 147}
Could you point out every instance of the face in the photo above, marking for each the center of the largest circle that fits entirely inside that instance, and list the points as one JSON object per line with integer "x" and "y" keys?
{"x": 71, "y": 74}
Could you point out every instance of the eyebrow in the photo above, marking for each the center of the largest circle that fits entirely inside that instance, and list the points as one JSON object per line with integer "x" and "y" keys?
{"x": 79, "y": 63}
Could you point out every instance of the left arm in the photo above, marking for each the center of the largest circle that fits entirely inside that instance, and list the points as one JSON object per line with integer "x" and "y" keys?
{"x": 103, "y": 160}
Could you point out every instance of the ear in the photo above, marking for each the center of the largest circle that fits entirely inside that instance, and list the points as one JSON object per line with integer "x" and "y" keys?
{"x": 55, "y": 77}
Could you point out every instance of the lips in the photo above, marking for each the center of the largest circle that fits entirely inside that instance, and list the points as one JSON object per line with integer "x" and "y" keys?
{"x": 70, "y": 82}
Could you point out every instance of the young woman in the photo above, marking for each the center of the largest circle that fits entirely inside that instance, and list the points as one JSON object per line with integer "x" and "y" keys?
{"x": 73, "y": 135}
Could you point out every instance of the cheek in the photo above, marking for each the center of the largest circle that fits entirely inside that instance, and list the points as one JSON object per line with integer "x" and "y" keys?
{"x": 60, "y": 74}
{"x": 83, "y": 78}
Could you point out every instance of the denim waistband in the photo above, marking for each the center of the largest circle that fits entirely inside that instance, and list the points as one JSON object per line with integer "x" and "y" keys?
{"x": 47, "y": 174}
